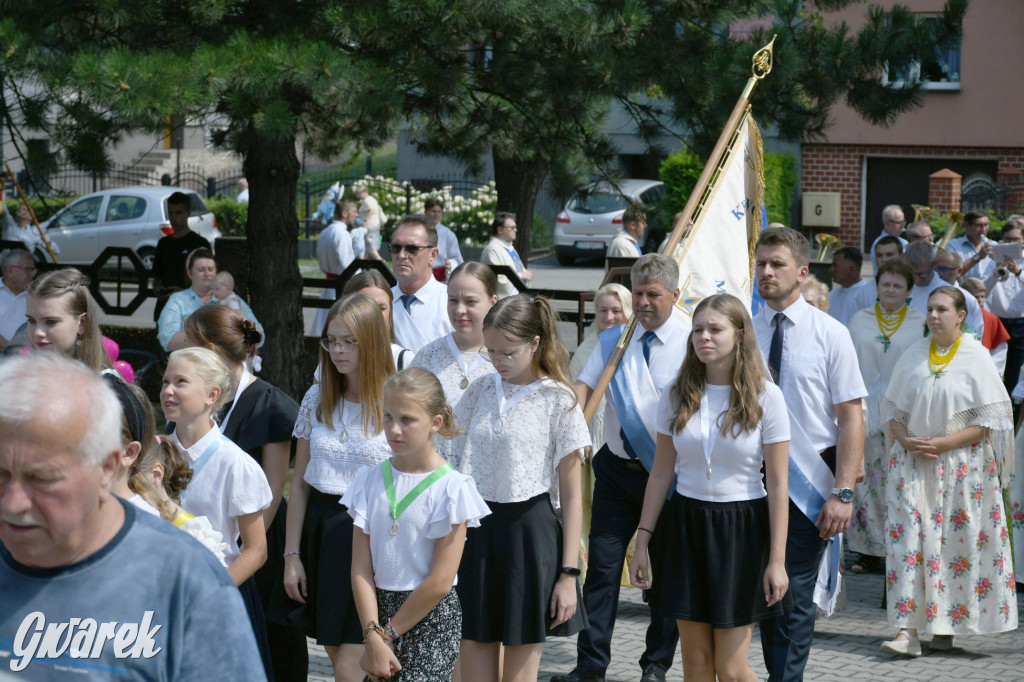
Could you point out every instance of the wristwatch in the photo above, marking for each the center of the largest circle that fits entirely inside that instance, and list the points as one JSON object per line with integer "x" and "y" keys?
{"x": 570, "y": 570}
{"x": 844, "y": 494}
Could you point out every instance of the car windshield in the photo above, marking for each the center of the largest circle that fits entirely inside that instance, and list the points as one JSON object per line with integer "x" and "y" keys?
{"x": 597, "y": 201}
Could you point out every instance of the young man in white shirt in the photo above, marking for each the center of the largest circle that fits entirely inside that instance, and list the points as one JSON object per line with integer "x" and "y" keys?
{"x": 812, "y": 359}
{"x": 621, "y": 467}
{"x": 420, "y": 308}
{"x": 626, "y": 243}
{"x": 853, "y": 293}
{"x": 449, "y": 254}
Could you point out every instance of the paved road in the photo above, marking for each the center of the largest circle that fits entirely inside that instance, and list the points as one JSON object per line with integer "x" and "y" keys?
{"x": 845, "y": 648}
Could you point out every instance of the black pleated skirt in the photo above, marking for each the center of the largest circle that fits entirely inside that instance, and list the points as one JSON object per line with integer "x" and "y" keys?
{"x": 329, "y": 614}
{"x": 712, "y": 567}
{"x": 508, "y": 574}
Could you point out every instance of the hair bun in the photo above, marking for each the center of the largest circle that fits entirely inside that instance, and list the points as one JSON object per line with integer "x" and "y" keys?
{"x": 250, "y": 334}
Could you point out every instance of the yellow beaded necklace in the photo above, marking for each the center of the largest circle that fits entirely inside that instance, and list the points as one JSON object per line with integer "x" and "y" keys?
{"x": 937, "y": 362}
{"x": 890, "y": 326}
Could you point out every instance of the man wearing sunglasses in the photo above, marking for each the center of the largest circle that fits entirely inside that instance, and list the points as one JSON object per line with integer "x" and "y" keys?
{"x": 421, "y": 302}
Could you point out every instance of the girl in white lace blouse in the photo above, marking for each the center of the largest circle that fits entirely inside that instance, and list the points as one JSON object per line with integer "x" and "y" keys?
{"x": 455, "y": 358}
{"x": 524, "y": 442}
{"x": 338, "y": 432}
{"x": 412, "y": 512}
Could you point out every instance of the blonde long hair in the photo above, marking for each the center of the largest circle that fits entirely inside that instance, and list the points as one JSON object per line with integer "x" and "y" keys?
{"x": 361, "y": 315}
{"x": 748, "y": 373}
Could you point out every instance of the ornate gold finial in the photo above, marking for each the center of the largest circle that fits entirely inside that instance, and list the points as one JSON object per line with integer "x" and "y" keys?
{"x": 762, "y": 62}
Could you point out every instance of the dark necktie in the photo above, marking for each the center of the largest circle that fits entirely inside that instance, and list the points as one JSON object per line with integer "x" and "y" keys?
{"x": 647, "y": 339}
{"x": 407, "y": 300}
{"x": 775, "y": 352}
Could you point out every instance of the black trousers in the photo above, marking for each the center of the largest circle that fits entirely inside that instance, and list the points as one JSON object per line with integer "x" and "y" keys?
{"x": 619, "y": 487}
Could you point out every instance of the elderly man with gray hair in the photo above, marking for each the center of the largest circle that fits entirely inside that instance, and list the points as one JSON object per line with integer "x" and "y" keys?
{"x": 622, "y": 465}
{"x": 919, "y": 231}
{"x": 893, "y": 221}
{"x": 18, "y": 269}
{"x": 90, "y": 585}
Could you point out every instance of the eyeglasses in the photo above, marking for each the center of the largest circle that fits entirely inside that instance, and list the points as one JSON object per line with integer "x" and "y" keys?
{"x": 943, "y": 268}
{"x": 501, "y": 358}
{"x": 411, "y": 249}
{"x": 341, "y": 344}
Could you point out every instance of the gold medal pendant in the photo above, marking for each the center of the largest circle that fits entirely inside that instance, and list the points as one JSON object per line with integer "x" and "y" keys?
{"x": 394, "y": 527}
{"x": 464, "y": 383}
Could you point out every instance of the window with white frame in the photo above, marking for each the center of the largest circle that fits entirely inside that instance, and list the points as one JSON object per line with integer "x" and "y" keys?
{"x": 942, "y": 74}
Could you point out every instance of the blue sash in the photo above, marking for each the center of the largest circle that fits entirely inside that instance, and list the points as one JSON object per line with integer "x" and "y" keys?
{"x": 624, "y": 390}
{"x": 516, "y": 259}
{"x": 810, "y": 484}
{"x": 203, "y": 460}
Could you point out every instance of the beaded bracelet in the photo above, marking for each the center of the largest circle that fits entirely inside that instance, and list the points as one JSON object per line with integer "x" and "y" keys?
{"x": 395, "y": 637}
{"x": 288, "y": 554}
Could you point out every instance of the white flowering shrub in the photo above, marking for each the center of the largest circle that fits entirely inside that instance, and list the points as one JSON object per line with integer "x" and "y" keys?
{"x": 469, "y": 216}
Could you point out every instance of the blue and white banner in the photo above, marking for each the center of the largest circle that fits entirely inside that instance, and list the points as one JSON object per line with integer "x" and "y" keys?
{"x": 717, "y": 254}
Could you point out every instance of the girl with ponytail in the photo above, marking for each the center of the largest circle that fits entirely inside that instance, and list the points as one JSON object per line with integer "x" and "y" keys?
{"x": 524, "y": 442}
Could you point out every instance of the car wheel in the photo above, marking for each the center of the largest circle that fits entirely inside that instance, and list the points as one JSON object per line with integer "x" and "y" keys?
{"x": 147, "y": 256}
{"x": 565, "y": 261}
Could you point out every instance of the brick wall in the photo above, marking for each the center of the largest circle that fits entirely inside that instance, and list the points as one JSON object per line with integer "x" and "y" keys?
{"x": 840, "y": 168}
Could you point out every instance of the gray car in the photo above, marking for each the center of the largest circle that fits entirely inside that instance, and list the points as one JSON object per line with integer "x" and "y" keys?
{"x": 594, "y": 215}
{"x": 135, "y": 217}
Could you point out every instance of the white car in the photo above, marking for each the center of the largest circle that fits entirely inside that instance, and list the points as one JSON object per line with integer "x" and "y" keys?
{"x": 135, "y": 217}
{"x": 593, "y": 216}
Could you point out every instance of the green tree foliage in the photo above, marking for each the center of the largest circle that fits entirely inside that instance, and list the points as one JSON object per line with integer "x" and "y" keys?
{"x": 260, "y": 74}
{"x": 816, "y": 64}
{"x": 779, "y": 187}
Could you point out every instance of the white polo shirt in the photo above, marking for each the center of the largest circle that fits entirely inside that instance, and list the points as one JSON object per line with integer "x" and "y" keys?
{"x": 819, "y": 368}
{"x": 667, "y": 352}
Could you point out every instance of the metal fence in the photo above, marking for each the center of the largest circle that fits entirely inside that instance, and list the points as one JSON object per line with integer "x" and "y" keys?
{"x": 1001, "y": 199}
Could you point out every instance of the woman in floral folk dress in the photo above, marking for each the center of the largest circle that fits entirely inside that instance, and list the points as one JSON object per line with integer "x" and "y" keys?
{"x": 948, "y": 565}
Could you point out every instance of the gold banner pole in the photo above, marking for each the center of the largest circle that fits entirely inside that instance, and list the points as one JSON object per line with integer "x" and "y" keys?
{"x": 761, "y": 66}
{"x": 25, "y": 202}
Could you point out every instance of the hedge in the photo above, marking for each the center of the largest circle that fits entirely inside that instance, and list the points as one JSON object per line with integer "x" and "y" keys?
{"x": 231, "y": 215}
{"x": 681, "y": 170}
